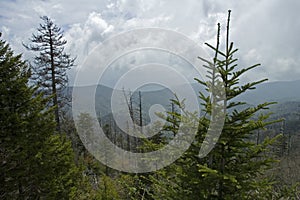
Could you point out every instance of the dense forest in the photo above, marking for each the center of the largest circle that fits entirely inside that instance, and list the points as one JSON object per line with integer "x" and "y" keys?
{"x": 42, "y": 155}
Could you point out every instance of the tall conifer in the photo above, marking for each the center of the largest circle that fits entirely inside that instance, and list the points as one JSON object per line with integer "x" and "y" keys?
{"x": 51, "y": 64}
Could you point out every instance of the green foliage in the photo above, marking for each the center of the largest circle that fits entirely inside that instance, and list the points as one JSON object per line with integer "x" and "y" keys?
{"x": 135, "y": 186}
{"x": 58, "y": 172}
{"x": 234, "y": 168}
{"x": 34, "y": 163}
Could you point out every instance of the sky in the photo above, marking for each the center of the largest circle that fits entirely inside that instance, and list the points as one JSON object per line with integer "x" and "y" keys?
{"x": 264, "y": 31}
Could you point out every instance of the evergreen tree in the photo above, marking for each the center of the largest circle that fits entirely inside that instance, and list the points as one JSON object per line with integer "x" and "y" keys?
{"x": 51, "y": 64}
{"x": 234, "y": 168}
{"x": 34, "y": 163}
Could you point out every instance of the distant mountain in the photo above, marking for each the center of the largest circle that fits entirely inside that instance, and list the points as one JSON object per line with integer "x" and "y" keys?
{"x": 284, "y": 91}
{"x": 103, "y": 96}
{"x": 281, "y": 91}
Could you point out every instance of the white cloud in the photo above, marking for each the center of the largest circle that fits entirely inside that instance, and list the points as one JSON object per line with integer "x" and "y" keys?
{"x": 264, "y": 31}
{"x": 84, "y": 37}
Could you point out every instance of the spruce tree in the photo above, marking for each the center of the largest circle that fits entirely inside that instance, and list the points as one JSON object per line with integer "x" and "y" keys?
{"x": 34, "y": 163}
{"x": 235, "y": 167}
{"x": 51, "y": 64}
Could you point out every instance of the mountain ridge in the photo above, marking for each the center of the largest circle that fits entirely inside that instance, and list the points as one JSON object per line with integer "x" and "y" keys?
{"x": 279, "y": 91}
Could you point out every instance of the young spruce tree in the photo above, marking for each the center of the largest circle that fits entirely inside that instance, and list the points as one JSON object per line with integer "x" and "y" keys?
{"x": 234, "y": 168}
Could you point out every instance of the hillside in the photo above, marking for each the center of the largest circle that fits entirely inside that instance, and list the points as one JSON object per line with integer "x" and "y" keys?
{"x": 282, "y": 92}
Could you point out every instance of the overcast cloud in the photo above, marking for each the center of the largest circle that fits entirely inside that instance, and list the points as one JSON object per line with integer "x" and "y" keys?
{"x": 265, "y": 31}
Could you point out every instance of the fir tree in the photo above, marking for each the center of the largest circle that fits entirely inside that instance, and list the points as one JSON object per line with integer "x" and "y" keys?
{"x": 234, "y": 168}
{"x": 34, "y": 163}
{"x": 51, "y": 63}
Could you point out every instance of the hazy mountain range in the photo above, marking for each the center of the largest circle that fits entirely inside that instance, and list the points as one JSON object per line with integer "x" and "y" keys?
{"x": 281, "y": 92}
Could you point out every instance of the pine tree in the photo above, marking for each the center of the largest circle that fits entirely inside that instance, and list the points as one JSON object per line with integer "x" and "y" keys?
{"x": 51, "y": 64}
{"x": 34, "y": 163}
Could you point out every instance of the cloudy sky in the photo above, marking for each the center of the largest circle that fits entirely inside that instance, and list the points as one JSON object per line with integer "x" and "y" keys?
{"x": 265, "y": 31}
